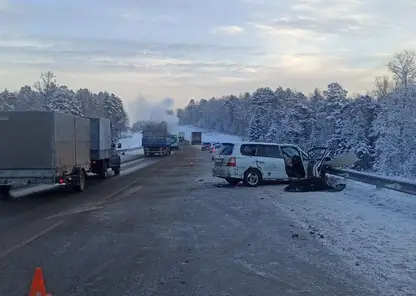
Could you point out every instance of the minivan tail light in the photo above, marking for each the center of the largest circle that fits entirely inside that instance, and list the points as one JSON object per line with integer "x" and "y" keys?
{"x": 232, "y": 162}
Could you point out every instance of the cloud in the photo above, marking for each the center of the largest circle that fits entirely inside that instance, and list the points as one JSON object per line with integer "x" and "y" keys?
{"x": 4, "y": 4}
{"x": 186, "y": 48}
{"x": 229, "y": 30}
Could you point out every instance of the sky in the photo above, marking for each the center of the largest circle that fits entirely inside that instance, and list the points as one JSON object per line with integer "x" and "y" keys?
{"x": 185, "y": 49}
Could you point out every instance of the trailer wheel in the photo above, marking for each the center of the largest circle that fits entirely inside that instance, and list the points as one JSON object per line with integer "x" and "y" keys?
{"x": 81, "y": 184}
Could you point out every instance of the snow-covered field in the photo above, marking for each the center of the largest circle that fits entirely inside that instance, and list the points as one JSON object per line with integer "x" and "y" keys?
{"x": 134, "y": 140}
{"x": 373, "y": 230}
{"x": 207, "y": 136}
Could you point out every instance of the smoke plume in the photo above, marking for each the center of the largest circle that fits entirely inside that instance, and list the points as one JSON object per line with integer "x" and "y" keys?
{"x": 163, "y": 110}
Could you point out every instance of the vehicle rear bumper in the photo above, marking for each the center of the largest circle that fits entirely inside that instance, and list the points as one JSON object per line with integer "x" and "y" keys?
{"x": 226, "y": 172}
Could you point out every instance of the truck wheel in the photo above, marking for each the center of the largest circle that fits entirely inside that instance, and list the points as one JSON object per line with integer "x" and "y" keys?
{"x": 81, "y": 185}
{"x": 104, "y": 169}
{"x": 116, "y": 171}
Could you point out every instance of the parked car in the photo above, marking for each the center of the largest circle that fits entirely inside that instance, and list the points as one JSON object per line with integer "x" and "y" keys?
{"x": 205, "y": 146}
{"x": 216, "y": 149}
{"x": 253, "y": 163}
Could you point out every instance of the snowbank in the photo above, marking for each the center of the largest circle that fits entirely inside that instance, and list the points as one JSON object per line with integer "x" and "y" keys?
{"x": 207, "y": 136}
{"x": 134, "y": 140}
{"x": 373, "y": 230}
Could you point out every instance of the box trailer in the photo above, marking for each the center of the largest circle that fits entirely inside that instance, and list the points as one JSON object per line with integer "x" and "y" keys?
{"x": 103, "y": 153}
{"x": 44, "y": 148}
{"x": 181, "y": 136}
{"x": 196, "y": 138}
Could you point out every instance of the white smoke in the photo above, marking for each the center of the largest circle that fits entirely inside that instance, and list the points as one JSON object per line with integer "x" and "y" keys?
{"x": 142, "y": 109}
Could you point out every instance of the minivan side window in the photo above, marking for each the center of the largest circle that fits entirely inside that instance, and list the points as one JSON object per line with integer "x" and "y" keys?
{"x": 248, "y": 149}
{"x": 272, "y": 151}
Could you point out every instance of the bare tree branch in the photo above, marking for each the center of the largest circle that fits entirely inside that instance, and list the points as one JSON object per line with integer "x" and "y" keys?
{"x": 403, "y": 67}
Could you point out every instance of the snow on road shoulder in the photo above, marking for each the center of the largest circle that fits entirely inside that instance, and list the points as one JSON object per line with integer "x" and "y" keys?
{"x": 373, "y": 230}
{"x": 207, "y": 136}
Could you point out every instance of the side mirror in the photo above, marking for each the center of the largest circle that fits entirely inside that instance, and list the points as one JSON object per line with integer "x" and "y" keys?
{"x": 119, "y": 145}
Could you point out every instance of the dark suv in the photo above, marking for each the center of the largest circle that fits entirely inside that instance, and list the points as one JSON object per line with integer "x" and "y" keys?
{"x": 205, "y": 146}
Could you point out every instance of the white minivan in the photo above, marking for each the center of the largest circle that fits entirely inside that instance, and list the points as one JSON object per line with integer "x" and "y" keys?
{"x": 253, "y": 162}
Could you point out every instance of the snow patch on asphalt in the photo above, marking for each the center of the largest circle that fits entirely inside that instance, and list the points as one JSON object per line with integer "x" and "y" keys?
{"x": 373, "y": 230}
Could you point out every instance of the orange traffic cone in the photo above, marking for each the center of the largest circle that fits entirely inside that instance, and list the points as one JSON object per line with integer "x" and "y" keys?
{"x": 38, "y": 287}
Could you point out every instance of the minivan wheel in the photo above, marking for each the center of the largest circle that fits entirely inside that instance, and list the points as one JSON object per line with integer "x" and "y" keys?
{"x": 252, "y": 178}
{"x": 232, "y": 181}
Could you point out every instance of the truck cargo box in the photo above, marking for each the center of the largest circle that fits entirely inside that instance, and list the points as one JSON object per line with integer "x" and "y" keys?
{"x": 39, "y": 146}
{"x": 155, "y": 142}
{"x": 196, "y": 138}
{"x": 155, "y": 135}
{"x": 100, "y": 138}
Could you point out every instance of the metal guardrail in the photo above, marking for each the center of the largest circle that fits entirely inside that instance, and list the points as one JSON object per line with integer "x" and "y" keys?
{"x": 405, "y": 186}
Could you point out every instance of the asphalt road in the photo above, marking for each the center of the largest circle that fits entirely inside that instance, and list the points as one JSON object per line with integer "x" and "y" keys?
{"x": 169, "y": 229}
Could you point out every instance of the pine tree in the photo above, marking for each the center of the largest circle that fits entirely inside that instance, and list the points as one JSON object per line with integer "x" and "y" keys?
{"x": 272, "y": 135}
{"x": 60, "y": 101}
{"x": 255, "y": 129}
{"x": 8, "y": 101}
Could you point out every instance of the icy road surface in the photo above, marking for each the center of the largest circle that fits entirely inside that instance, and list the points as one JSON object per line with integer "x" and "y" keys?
{"x": 172, "y": 229}
{"x": 373, "y": 230}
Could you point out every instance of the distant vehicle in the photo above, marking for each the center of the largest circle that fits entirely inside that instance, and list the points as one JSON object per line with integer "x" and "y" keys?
{"x": 218, "y": 149}
{"x": 214, "y": 147}
{"x": 196, "y": 138}
{"x": 174, "y": 142}
{"x": 253, "y": 163}
{"x": 206, "y": 146}
{"x": 54, "y": 148}
{"x": 156, "y": 139}
{"x": 181, "y": 137}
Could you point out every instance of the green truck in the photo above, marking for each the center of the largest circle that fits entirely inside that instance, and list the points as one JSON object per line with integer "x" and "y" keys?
{"x": 174, "y": 142}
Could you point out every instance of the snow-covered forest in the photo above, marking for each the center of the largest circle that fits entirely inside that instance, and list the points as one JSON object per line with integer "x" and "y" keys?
{"x": 47, "y": 95}
{"x": 378, "y": 126}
